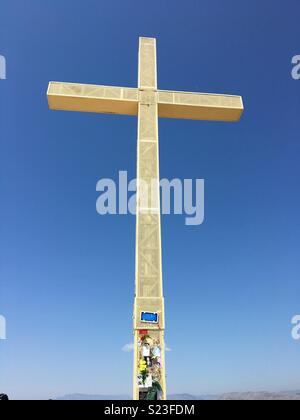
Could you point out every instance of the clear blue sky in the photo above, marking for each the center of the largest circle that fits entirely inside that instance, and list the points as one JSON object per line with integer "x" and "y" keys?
{"x": 67, "y": 274}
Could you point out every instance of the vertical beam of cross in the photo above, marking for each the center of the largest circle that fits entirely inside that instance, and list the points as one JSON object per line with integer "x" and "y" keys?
{"x": 149, "y": 288}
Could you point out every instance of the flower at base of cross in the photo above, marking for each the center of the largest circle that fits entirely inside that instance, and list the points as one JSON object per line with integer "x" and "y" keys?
{"x": 143, "y": 366}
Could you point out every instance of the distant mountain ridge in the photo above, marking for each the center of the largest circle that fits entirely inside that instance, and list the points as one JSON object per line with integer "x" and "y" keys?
{"x": 235, "y": 396}
{"x": 261, "y": 396}
{"x": 85, "y": 397}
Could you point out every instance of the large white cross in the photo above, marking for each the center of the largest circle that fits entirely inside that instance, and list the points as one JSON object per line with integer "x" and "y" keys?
{"x": 148, "y": 104}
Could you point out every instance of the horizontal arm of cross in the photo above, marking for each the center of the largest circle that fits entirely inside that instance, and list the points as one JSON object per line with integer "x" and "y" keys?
{"x": 124, "y": 101}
